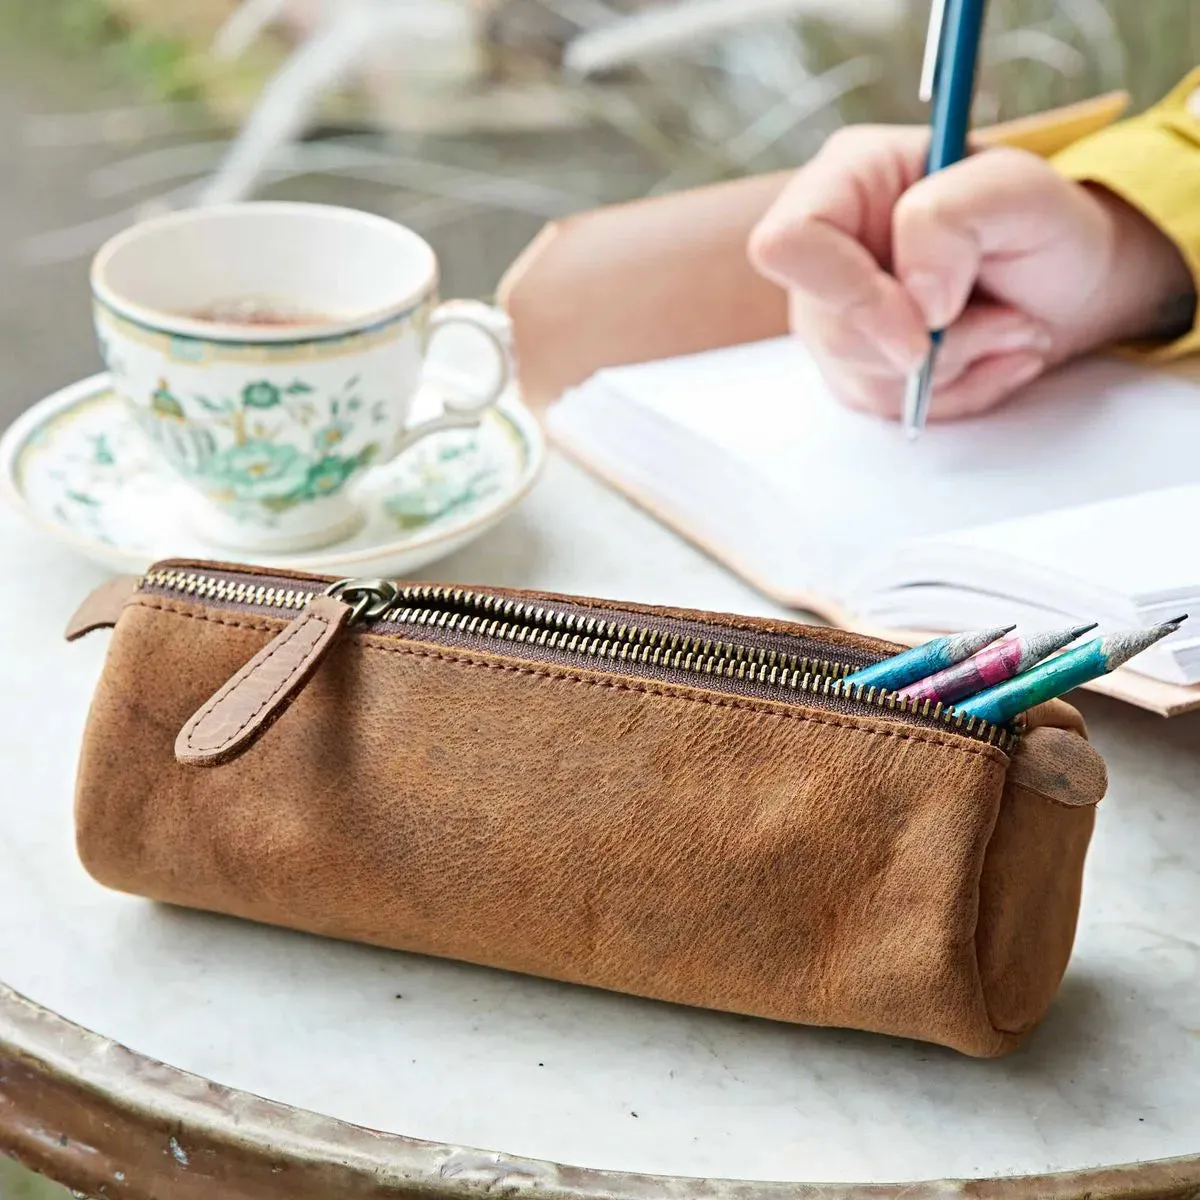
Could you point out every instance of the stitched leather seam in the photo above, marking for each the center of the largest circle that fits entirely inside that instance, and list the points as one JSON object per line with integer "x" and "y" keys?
{"x": 180, "y": 610}
{"x": 221, "y": 697}
{"x": 712, "y": 701}
{"x": 615, "y": 685}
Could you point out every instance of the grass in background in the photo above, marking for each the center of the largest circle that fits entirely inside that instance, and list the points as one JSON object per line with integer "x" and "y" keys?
{"x": 156, "y": 61}
{"x": 750, "y": 95}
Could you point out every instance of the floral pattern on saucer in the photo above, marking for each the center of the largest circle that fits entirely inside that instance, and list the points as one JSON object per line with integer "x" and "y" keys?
{"x": 100, "y": 461}
{"x": 80, "y": 464}
{"x": 444, "y": 479}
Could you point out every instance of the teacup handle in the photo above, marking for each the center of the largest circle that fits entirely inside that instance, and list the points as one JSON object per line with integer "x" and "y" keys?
{"x": 463, "y": 406}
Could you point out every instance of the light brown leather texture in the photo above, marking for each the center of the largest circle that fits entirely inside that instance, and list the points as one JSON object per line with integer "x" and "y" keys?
{"x": 661, "y": 840}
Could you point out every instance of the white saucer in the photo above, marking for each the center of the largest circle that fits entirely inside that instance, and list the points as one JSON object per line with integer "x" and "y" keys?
{"x": 77, "y": 466}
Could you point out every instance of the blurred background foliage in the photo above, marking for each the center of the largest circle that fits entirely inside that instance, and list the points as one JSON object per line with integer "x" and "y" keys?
{"x": 654, "y": 94}
{"x": 698, "y": 70}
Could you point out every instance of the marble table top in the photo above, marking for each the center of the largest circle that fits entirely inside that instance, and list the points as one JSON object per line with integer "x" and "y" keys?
{"x": 465, "y": 1055}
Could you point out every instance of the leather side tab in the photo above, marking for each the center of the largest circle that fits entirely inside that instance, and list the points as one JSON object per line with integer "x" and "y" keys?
{"x": 102, "y": 607}
{"x": 257, "y": 696}
{"x": 1058, "y": 765}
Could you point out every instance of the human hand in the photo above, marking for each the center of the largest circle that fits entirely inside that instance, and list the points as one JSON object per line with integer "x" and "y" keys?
{"x": 1022, "y": 268}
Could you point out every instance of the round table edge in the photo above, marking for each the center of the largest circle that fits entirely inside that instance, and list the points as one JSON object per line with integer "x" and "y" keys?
{"x": 103, "y": 1120}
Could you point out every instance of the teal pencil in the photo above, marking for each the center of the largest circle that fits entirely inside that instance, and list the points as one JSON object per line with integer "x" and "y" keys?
{"x": 1060, "y": 674}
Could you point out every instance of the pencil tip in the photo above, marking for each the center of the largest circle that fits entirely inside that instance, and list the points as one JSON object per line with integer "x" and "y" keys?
{"x": 1176, "y": 621}
{"x": 1080, "y": 630}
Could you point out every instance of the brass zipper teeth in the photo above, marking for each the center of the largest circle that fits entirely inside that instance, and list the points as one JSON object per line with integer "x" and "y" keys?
{"x": 505, "y": 615}
{"x": 208, "y": 587}
{"x": 510, "y": 620}
{"x": 590, "y": 638}
{"x": 497, "y": 618}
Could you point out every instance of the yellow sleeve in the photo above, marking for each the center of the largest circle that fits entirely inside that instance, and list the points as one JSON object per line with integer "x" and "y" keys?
{"x": 1152, "y": 161}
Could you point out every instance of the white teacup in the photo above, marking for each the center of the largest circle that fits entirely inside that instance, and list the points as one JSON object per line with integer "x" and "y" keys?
{"x": 271, "y": 352}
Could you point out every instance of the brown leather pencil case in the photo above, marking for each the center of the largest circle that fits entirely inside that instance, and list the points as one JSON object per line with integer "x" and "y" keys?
{"x": 680, "y": 805}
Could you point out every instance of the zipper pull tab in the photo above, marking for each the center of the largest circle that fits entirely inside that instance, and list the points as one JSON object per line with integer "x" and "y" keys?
{"x": 229, "y": 723}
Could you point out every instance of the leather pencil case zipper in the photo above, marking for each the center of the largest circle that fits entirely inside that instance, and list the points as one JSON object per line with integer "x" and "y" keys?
{"x": 796, "y": 668}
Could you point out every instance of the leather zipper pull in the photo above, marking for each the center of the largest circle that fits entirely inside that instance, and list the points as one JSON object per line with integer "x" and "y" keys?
{"x": 229, "y": 723}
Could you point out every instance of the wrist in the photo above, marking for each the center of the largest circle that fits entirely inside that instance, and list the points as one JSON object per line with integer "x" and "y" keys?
{"x": 1150, "y": 290}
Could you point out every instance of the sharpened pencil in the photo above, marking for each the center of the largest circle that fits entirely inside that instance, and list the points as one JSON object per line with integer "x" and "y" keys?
{"x": 1065, "y": 671}
{"x": 992, "y": 665}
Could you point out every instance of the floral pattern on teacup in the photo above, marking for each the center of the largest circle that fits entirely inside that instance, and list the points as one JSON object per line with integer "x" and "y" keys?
{"x": 233, "y": 452}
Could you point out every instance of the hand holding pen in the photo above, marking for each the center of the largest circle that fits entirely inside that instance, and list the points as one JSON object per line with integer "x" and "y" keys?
{"x": 1021, "y": 267}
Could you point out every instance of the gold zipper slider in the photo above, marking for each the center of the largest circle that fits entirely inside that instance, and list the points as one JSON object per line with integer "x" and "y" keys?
{"x": 232, "y": 720}
{"x": 368, "y": 598}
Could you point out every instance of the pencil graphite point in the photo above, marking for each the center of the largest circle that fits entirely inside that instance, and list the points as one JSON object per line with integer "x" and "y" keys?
{"x": 1120, "y": 647}
{"x": 1055, "y": 676}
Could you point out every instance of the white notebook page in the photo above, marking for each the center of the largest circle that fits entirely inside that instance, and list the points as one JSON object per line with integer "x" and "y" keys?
{"x": 847, "y": 488}
{"x": 1144, "y": 548}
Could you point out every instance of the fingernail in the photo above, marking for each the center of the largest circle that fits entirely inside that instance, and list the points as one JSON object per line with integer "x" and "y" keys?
{"x": 930, "y": 294}
{"x": 906, "y": 355}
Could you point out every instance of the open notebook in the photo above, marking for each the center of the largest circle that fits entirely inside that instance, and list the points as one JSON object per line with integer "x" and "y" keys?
{"x": 1076, "y": 501}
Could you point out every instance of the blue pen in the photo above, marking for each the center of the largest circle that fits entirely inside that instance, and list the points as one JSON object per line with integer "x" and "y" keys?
{"x": 948, "y": 79}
